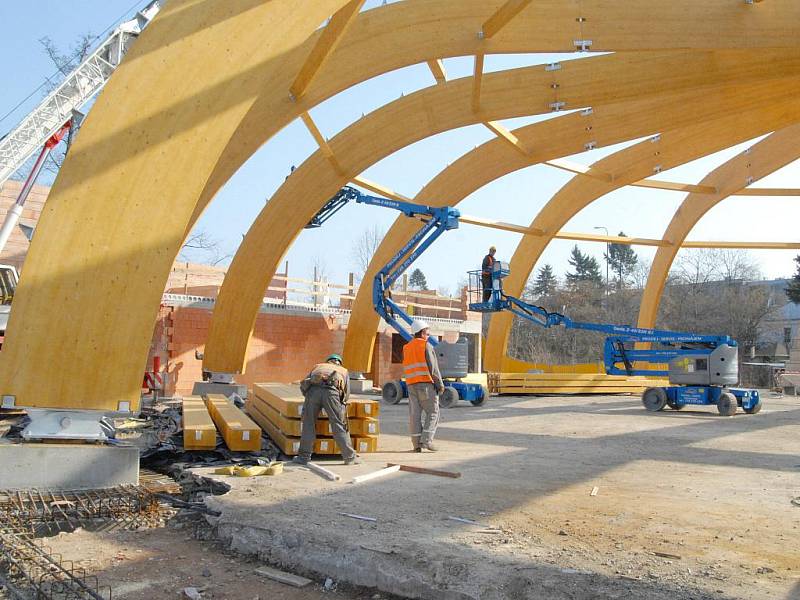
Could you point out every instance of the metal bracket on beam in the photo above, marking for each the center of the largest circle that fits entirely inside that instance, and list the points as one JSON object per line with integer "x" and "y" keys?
{"x": 656, "y": 138}
{"x": 582, "y": 45}
{"x": 590, "y": 145}
{"x": 587, "y": 111}
{"x": 657, "y": 169}
{"x": 557, "y": 106}
{"x": 556, "y": 66}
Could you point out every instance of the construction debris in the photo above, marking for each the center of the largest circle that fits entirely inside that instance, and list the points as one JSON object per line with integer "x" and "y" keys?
{"x": 283, "y": 577}
{"x": 594, "y": 491}
{"x": 426, "y": 471}
{"x": 330, "y": 475}
{"x": 376, "y": 474}
{"x": 359, "y": 517}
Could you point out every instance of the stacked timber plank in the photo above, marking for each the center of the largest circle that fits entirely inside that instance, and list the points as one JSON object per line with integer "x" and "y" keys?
{"x": 240, "y": 433}
{"x": 278, "y": 407}
{"x": 569, "y": 383}
{"x": 199, "y": 432}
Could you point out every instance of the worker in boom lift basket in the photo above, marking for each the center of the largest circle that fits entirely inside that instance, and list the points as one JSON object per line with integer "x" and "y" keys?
{"x": 421, "y": 372}
{"x": 328, "y": 387}
{"x": 486, "y": 273}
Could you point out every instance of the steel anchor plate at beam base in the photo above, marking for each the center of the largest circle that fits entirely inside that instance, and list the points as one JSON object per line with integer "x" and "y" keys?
{"x": 49, "y": 424}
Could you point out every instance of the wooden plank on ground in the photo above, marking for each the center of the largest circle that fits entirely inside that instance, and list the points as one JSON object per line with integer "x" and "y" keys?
{"x": 283, "y": 577}
{"x": 199, "y": 432}
{"x": 240, "y": 433}
{"x": 293, "y": 426}
{"x": 567, "y": 390}
{"x": 424, "y": 471}
{"x": 288, "y": 445}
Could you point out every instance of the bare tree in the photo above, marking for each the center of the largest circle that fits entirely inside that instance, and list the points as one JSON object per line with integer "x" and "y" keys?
{"x": 201, "y": 247}
{"x": 364, "y": 248}
{"x": 65, "y": 63}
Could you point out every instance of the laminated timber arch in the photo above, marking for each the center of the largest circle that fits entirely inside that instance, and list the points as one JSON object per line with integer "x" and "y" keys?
{"x": 628, "y": 165}
{"x": 596, "y": 82}
{"x": 419, "y": 31}
{"x": 207, "y": 76}
{"x": 767, "y": 156}
{"x": 496, "y": 158}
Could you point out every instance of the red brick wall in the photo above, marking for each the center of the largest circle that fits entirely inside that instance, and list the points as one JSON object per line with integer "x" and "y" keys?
{"x": 283, "y": 347}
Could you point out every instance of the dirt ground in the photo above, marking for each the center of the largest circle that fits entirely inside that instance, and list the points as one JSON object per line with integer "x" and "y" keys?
{"x": 688, "y": 505}
{"x": 158, "y": 564}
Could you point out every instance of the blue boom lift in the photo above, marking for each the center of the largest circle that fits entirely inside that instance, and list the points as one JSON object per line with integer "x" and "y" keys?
{"x": 700, "y": 367}
{"x": 452, "y": 358}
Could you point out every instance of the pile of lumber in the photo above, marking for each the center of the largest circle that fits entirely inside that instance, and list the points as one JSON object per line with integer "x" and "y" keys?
{"x": 277, "y": 408}
{"x": 202, "y": 417}
{"x": 519, "y": 384}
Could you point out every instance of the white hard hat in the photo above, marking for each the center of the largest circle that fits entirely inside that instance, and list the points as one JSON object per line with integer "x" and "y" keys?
{"x": 418, "y": 325}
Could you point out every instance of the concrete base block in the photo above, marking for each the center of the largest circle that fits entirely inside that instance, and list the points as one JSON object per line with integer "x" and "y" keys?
{"x": 361, "y": 386}
{"x": 202, "y": 388}
{"x": 67, "y": 466}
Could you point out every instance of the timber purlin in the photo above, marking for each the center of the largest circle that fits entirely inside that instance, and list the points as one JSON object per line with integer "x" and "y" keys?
{"x": 240, "y": 433}
{"x": 199, "y": 432}
{"x": 569, "y": 383}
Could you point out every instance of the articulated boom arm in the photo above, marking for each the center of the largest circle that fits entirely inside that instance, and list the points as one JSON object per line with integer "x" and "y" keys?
{"x": 437, "y": 221}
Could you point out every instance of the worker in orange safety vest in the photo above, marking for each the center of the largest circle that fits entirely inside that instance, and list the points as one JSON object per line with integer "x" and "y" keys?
{"x": 424, "y": 381}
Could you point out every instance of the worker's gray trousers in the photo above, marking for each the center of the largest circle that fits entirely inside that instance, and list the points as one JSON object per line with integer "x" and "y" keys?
{"x": 423, "y": 411}
{"x": 317, "y": 398}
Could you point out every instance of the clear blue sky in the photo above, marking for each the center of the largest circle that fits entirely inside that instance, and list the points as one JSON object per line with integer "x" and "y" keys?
{"x": 515, "y": 198}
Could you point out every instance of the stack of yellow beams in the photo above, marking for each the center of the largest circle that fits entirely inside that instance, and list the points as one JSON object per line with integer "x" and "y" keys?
{"x": 277, "y": 408}
{"x": 238, "y": 431}
{"x": 199, "y": 432}
{"x": 569, "y": 383}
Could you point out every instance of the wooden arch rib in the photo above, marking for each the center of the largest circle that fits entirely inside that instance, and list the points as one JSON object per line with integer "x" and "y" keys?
{"x": 560, "y": 136}
{"x": 445, "y": 106}
{"x": 677, "y": 147}
{"x": 417, "y": 31}
{"x": 767, "y": 156}
{"x": 116, "y": 216}
{"x": 159, "y": 155}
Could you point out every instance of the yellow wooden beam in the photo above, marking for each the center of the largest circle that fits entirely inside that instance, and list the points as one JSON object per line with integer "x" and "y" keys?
{"x": 379, "y": 189}
{"x": 674, "y": 186}
{"x": 477, "y": 81}
{"x": 608, "y": 239}
{"x": 326, "y": 43}
{"x": 436, "y": 65}
{"x": 768, "y": 192}
{"x": 767, "y": 156}
{"x": 579, "y": 169}
{"x": 505, "y": 134}
{"x": 742, "y": 245}
{"x": 502, "y": 16}
{"x": 321, "y": 141}
{"x": 492, "y": 224}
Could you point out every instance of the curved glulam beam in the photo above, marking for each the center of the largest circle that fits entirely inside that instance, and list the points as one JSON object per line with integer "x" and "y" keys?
{"x": 84, "y": 311}
{"x": 416, "y": 31}
{"x": 561, "y": 136}
{"x": 433, "y": 110}
{"x": 675, "y": 148}
{"x": 767, "y": 156}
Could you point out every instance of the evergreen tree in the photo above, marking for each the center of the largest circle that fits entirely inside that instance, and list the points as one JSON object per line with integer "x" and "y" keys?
{"x": 417, "y": 280}
{"x": 545, "y": 282}
{"x": 793, "y": 291}
{"x": 622, "y": 260}
{"x": 586, "y": 268}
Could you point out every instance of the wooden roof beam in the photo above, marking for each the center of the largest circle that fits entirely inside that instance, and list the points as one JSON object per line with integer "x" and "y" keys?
{"x": 379, "y": 189}
{"x": 503, "y": 133}
{"x": 502, "y": 16}
{"x": 436, "y": 66}
{"x": 477, "y": 79}
{"x": 326, "y": 44}
{"x": 767, "y": 192}
{"x": 324, "y": 147}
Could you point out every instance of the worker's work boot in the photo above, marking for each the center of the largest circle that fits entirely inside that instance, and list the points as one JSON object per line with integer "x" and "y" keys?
{"x": 431, "y": 448}
{"x": 417, "y": 450}
{"x": 352, "y": 461}
{"x": 300, "y": 460}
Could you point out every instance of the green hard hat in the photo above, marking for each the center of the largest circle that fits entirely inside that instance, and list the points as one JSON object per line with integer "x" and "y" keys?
{"x": 336, "y": 357}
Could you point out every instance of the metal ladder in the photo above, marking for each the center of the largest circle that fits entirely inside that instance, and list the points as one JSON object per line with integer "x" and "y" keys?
{"x": 78, "y": 87}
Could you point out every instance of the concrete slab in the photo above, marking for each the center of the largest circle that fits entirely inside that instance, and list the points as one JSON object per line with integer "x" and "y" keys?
{"x": 67, "y": 466}
{"x": 689, "y": 505}
{"x": 203, "y": 388}
{"x": 361, "y": 386}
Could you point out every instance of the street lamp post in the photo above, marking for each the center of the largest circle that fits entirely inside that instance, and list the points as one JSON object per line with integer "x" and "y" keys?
{"x": 608, "y": 254}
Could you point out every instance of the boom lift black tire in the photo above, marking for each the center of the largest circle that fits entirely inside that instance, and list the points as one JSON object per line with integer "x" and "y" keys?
{"x": 482, "y": 400}
{"x": 755, "y": 409}
{"x": 392, "y": 392}
{"x": 726, "y": 405}
{"x": 654, "y": 399}
{"x": 449, "y": 397}
{"x": 675, "y": 405}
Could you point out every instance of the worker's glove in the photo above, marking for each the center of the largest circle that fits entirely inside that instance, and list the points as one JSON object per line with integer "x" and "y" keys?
{"x": 440, "y": 390}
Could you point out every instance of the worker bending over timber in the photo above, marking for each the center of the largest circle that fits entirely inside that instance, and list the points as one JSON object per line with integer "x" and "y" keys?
{"x": 328, "y": 387}
{"x": 421, "y": 372}
{"x": 486, "y": 273}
